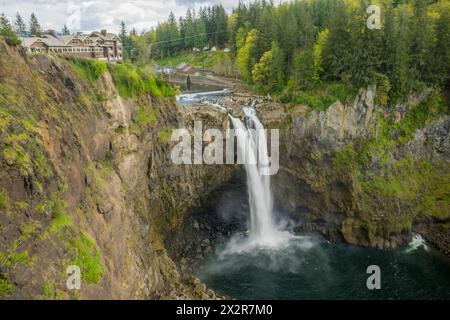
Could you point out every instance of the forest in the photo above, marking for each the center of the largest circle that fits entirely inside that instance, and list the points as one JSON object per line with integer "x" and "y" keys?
{"x": 297, "y": 46}
{"x": 294, "y": 48}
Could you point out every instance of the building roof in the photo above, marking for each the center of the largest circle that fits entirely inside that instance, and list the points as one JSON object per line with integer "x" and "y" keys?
{"x": 64, "y": 40}
{"x": 188, "y": 69}
{"x": 47, "y": 40}
{"x": 98, "y": 34}
{"x": 112, "y": 36}
{"x": 182, "y": 65}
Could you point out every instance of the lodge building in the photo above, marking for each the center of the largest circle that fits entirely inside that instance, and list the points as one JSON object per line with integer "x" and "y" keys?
{"x": 99, "y": 45}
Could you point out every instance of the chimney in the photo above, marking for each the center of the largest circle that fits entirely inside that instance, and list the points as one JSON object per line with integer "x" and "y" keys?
{"x": 51, "y": 32}
{"x": 103, "y": 32}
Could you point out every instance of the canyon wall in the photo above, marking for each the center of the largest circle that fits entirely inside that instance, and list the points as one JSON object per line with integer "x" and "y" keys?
{"x": 86, "y": 179}
{"x": 365, "y": 173}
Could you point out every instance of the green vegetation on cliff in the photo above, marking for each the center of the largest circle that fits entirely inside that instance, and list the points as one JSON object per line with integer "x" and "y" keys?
{"x": 393, "y": 191}
{"x": 319, "y": 97}
{"x": 132, "y": 81}
{"x": 86, "y": 257}
{"x": 4, "y": 201}
{"x": 89, "y": 69}
{"x": 10, "y": 260}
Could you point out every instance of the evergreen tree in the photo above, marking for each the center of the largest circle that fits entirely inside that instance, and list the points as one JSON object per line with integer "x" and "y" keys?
{"x": 182, "y": 26}
{"x": 173, "y": 35}
{"x": 190, "y": 30}
{"x": 200, "y": 39}
{"x": 35, "y": 27}
{"x": 7, "y": 32}
{"x": 398, "y": 55}
{"x": 267, "y": 25}
{"x": 337, "y": 60}
{"x": 19, "y": 24}
{"x": 123, "y": 30}
{"x": 65, "y": 31}
{"x": 421, "y": 40}
{"x": 125, "y": 40}
{"x": 303, "y": 76}
{"x": 220, "y": 26}
{"x": 440, "y": 62}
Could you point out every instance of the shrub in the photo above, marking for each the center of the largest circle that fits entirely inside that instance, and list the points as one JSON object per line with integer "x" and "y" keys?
{"x": 87, "y": 257}
{"x": 7, "y": 32}
{"x": 165, "y": 135}
{"x": 6, "y": 288}
{"x": 89, "y": 69}
{"x": 132, "y": 81}
{"x": 146, "y": 117}
{"x": 322, "y": 96}
{"x": 4, "y": 203}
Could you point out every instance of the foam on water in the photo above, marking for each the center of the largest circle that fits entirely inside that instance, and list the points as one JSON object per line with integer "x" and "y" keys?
{"x": 416, "y": 243}
{"x": 199, "y": 96}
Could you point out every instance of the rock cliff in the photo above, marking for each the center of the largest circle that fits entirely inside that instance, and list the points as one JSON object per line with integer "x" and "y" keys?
{"x": 364, "y": 173}
{"x": 86, "y": 179}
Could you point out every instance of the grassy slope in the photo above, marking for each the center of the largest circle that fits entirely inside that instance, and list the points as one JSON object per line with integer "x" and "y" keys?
{"x": 199, "y": 59}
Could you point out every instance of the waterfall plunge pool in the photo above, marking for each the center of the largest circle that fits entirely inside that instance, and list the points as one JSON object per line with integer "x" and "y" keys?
{"x": 312, "y": 268}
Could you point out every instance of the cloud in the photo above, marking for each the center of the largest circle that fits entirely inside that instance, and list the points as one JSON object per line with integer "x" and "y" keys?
{"x": 92, "y": 15}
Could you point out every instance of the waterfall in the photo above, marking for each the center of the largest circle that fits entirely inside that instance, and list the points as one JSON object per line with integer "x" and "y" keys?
{"x": 252, "y": 144}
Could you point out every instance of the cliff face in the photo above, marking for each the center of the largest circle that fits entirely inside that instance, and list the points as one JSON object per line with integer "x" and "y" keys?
{"x": 86, "y": 179}
{"x": 364, "y": 173}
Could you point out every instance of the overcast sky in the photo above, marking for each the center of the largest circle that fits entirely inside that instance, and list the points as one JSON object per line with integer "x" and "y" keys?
{"x": 90, "y": 15}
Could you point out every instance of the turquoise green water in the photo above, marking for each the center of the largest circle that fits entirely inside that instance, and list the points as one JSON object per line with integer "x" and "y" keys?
{"x": 312, "y": 268}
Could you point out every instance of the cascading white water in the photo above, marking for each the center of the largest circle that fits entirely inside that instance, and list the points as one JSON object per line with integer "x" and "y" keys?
{"x": 192, "y": 98}
{"x": 252, "y": 143}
